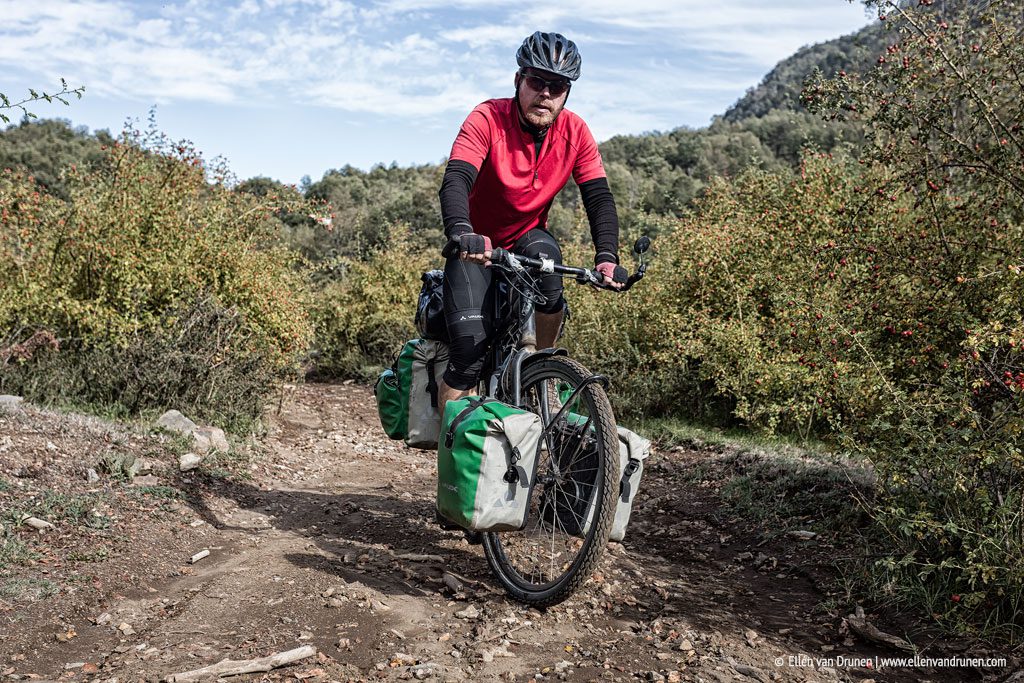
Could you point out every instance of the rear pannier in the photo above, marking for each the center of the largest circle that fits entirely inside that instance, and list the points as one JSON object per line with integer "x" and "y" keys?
{"x": 407, "y": 393}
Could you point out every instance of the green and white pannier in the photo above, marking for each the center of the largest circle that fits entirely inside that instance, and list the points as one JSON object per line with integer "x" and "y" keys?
{"x": 633, "y": 450}
{"x": 486, "y": 464}
{"x": 407, "y": 399}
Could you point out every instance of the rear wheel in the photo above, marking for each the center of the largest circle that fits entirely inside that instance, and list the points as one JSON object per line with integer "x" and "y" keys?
{"x": 572, "y": 502}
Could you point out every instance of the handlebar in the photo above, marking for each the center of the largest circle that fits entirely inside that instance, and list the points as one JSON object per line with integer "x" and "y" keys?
{"x": 514, "y": 262}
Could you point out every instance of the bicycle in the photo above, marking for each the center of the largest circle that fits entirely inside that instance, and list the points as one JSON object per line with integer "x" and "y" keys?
{"x": 573, "y": 501}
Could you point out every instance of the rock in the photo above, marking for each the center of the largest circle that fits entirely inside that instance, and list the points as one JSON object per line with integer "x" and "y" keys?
{"x": 103, "y": 619}
{"x": 427, "y": 670}
{"x": 486, "y": 656}
{"x": 470, "y": 612}
{"x": 378, "y": 606}
{"x": 201, "y": 444}
{"x": 140, "y": 466}
{"x": 10, "y": 404}
{"x": 752, "y": 672}
{"x": 36, "y": 523}
{"x": 91, "y": 476}
{"x": 562, "y": 667}
{"x": 802, "y": 535}
{"x": 685, "y": 646}
{"x": 751, "y": 637}
{"x": 174, "y": 422}
{"x": 148, "y": 480}
{"x": 214, "y": 437}
{"x": 189, "y": 461}
{"x": 654, "y": 676}
{"x": 126, "y": 629}
{"x": 453, "y": 584}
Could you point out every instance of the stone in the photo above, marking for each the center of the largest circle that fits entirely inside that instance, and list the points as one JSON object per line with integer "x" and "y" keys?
{"x": 10, "y": 404}
{"x": 752, "y": 672}
{"x": 148, "y": 480}
{"x": 91, "y": 476}
{"x": 176, "y": 423}
{"x": 470, "y": 612}
{"x": 215, "y": 437}
{"x": 201, "y": 444}
{"x": 189, "y": 461}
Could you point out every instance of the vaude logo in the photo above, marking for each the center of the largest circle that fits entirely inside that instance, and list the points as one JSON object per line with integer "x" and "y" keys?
{"x": 451, "y": 487}
{"x": 507, "y": 501}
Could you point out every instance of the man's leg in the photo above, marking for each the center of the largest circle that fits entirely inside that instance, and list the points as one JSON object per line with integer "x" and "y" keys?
{"x": 445, "y": 393}
{"x": 548, "y": 325}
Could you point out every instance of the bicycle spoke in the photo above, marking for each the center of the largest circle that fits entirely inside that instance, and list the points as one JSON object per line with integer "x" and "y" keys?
{"x": 568, "y": 500}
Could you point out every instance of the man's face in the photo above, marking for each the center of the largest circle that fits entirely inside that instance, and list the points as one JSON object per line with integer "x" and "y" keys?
{"x": 540, "y": 106}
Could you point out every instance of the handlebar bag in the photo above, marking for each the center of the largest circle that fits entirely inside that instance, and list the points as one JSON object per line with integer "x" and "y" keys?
{"x": 430, "y": 320}
{"x": 486, "y": 464}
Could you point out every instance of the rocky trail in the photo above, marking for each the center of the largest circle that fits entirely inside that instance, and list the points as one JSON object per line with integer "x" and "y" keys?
{"x": 328, "y": 541}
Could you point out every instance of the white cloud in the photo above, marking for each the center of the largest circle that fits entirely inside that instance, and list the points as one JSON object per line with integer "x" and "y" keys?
{"x": 650, "y": 59}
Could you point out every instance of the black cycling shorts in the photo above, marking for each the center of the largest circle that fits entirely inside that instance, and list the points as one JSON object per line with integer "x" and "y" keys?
{"x": 469, "y": 306}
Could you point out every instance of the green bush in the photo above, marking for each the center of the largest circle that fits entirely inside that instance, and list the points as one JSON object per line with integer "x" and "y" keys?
{"x": 154, "y": 281}
{"x": 874, "y": 299}
{"x": 365, "y": 312}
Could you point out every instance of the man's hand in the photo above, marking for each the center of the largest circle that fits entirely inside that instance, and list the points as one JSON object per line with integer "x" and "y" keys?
{"x": 615, "y": 276}
{"x": 470, "y": 247}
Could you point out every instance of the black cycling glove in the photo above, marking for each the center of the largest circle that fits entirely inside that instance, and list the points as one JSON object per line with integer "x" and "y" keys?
{"x": 469, "y": 242}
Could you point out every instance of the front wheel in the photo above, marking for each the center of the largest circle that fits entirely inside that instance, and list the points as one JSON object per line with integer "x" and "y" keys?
{"x": 572, "y": 502}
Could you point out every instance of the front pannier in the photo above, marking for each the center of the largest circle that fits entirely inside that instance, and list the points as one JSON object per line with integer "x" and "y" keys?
{"x": 486, "y": 464}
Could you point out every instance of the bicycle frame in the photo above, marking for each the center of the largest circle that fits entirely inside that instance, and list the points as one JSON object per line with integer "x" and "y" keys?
{"x": 507, "y": 363}
{"x": 516, "y": 336}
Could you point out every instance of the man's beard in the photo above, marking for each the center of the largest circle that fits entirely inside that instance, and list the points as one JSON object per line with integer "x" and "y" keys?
{"x": 541, "y": 119}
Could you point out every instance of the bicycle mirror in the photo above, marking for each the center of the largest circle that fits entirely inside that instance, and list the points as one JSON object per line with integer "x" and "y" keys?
{"x": 642, "y": 245}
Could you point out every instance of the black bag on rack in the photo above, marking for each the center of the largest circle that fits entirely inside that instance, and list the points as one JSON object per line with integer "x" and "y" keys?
{"x": 430, "y": 320}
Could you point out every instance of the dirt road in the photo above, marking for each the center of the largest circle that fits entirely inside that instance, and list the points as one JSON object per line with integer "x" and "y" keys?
{"x": 331, "y": 543}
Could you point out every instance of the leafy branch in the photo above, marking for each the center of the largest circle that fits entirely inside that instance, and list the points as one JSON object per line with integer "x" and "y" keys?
{"x": 36, "y": 96}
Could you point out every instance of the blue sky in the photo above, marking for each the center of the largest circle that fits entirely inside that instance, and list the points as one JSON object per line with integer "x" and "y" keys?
{"x": 286, "y": 88}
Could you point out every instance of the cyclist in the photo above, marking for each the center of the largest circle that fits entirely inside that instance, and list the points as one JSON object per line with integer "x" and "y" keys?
{"x": 509, "y": 160}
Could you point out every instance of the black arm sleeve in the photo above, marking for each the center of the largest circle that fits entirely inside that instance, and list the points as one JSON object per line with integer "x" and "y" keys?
{"x": 458, "y": 180}
{"x": 604, "y": 221}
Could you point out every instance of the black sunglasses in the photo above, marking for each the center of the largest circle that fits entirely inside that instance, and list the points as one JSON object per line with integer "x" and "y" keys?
{"x": 556, "y": 87}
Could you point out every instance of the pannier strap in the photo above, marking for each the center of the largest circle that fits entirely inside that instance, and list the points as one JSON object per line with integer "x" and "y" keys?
{"x": 628, "y": 471}
{"x": 449, "y": 437}
{"x": 431, "y": 383}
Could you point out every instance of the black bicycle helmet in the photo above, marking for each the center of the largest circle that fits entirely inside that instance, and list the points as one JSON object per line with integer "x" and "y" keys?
{"x": 550, "y": 52}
